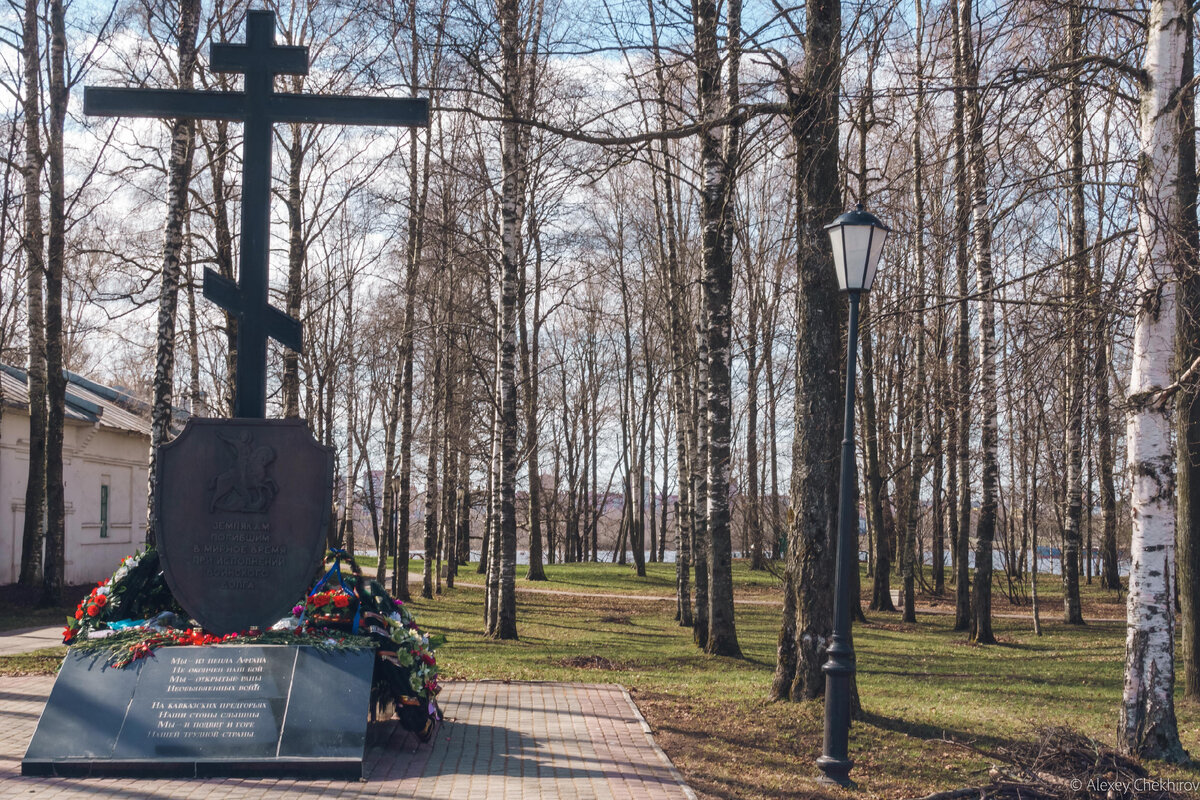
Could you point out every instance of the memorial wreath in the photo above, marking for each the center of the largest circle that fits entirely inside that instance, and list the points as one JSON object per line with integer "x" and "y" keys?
{"x": 133, "y": 613}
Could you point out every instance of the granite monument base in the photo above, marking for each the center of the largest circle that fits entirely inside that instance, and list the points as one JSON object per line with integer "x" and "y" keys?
{"x": 243, "y": 711}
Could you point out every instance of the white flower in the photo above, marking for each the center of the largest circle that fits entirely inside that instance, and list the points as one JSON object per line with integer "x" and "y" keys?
{"x": 103, "y": 590}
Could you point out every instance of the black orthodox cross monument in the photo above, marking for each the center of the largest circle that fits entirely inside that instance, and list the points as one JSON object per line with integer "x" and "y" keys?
{"x": 258, "y": 107}
{"x": 243, "y": 507}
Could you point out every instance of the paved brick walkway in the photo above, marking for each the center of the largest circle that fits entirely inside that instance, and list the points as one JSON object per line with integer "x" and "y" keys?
{"x": 500, "y": 741}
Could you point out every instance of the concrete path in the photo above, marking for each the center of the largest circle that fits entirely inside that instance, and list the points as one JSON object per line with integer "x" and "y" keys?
{"x": 26, "y": 640}
{"x": 501, "y": 741}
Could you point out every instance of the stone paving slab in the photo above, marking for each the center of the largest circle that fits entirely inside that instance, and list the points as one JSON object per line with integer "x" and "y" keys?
{"x": 26, "y": 640}
{"x": 500, "y": 741}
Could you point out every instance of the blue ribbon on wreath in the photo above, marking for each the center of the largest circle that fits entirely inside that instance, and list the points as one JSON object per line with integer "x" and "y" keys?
{"x": 337, "y": 554}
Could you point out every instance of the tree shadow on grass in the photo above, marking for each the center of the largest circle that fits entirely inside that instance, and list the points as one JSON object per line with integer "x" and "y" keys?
{"x": 928, "y": 732}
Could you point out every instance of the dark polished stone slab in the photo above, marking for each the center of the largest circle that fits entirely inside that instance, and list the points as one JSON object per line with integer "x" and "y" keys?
{"x": 206, "y": 711}
{"x": 243, "y": 509}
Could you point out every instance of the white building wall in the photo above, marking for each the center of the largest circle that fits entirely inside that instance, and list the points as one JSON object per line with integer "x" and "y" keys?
{"x": 94, "y": 455}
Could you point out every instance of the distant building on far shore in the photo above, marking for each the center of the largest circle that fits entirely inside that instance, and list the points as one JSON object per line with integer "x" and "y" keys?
{"x": 106, "y": 447}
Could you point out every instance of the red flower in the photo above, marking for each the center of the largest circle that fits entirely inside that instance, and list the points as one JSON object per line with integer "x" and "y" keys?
{"x": 102, "y": 600}
{"x": 79, "y": 613}
{"x": 428, "y": 659}
{"x": 342, "y": 600}
{"x": 93, "y": 610}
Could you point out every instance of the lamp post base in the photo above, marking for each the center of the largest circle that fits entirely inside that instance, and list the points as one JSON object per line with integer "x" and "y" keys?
{"x": 835, "y": 772}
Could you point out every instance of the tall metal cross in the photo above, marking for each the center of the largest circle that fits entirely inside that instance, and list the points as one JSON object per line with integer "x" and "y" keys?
{"x": 259, "y": 107}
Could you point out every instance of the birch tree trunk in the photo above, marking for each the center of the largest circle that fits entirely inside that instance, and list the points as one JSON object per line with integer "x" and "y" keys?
{"x": 1147, "y": 725}
{"x": 35, "y": 267}
{"x": 718, "y": 154}
{"x": 179, "y": 171}
{"x": 504, "y": 623}
{"x": 981, "y": 599}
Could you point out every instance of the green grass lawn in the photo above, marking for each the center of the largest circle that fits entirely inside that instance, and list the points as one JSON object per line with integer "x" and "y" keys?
{"x": 920, "y": 684}
{"x": 612, "y": 578}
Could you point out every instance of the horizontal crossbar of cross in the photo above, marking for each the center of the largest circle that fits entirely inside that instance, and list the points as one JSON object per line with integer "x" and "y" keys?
{"x": 200, "y": 104}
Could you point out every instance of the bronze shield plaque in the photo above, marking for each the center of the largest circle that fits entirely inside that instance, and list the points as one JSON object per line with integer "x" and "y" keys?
{"x": 243, "y": 508}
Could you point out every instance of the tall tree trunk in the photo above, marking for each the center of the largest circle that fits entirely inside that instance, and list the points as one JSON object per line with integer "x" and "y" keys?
{"x": 405, "y": 454}
{"x": 1033, "y": 508}
{"x": 1109, "y": 573}
{"x": 504, "y": 624}
{"x": 808, "y": 600}
{"x": 881, "y": 588}
{"x": 680, "y": 390}
{"x": 35, "y": 268}
{"x": 54, "y": 570}
{"x": 938, "y": 509}
{"x": 390, "y": 425}
{"x": 431, "y": 473}
{"x": 1147, "y": 726}
{"x": 530, "y": 366}
{"x": 218, "y": 157}
{"x": 1077, "y": 352}
{"x": 1187, "y": 339}
{"x": 918, "y": 401}
{"x": 179, "y": 171}
{"x": 296, "y": 254}
{"x": 701, "y": 540}
{"x": 718, "y": 154}
{"x": 981, "y": 599}
{"x": 962, "y": 342}
{"x": 195, "y": 394}
{"x": 754, "y": 498}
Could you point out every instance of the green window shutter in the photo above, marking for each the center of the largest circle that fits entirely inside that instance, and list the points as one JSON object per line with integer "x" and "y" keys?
{"x": 103, "y": 511}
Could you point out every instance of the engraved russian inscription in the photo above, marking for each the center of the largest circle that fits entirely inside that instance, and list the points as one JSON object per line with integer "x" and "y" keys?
{"x": 221, "y": 676}
{"x": 236, "y": 555}
{"x": 219, "y": 701}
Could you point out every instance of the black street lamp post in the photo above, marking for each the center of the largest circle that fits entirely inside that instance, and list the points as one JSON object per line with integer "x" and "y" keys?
{"x": 857, "y": 238}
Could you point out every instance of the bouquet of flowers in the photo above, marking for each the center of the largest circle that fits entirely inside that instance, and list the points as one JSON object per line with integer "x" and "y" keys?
{"x": 406, "y": 677}
{"x": 136, "y": 591}
{"x": 333, "y": 607}
{"x": 133, "y": 613}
